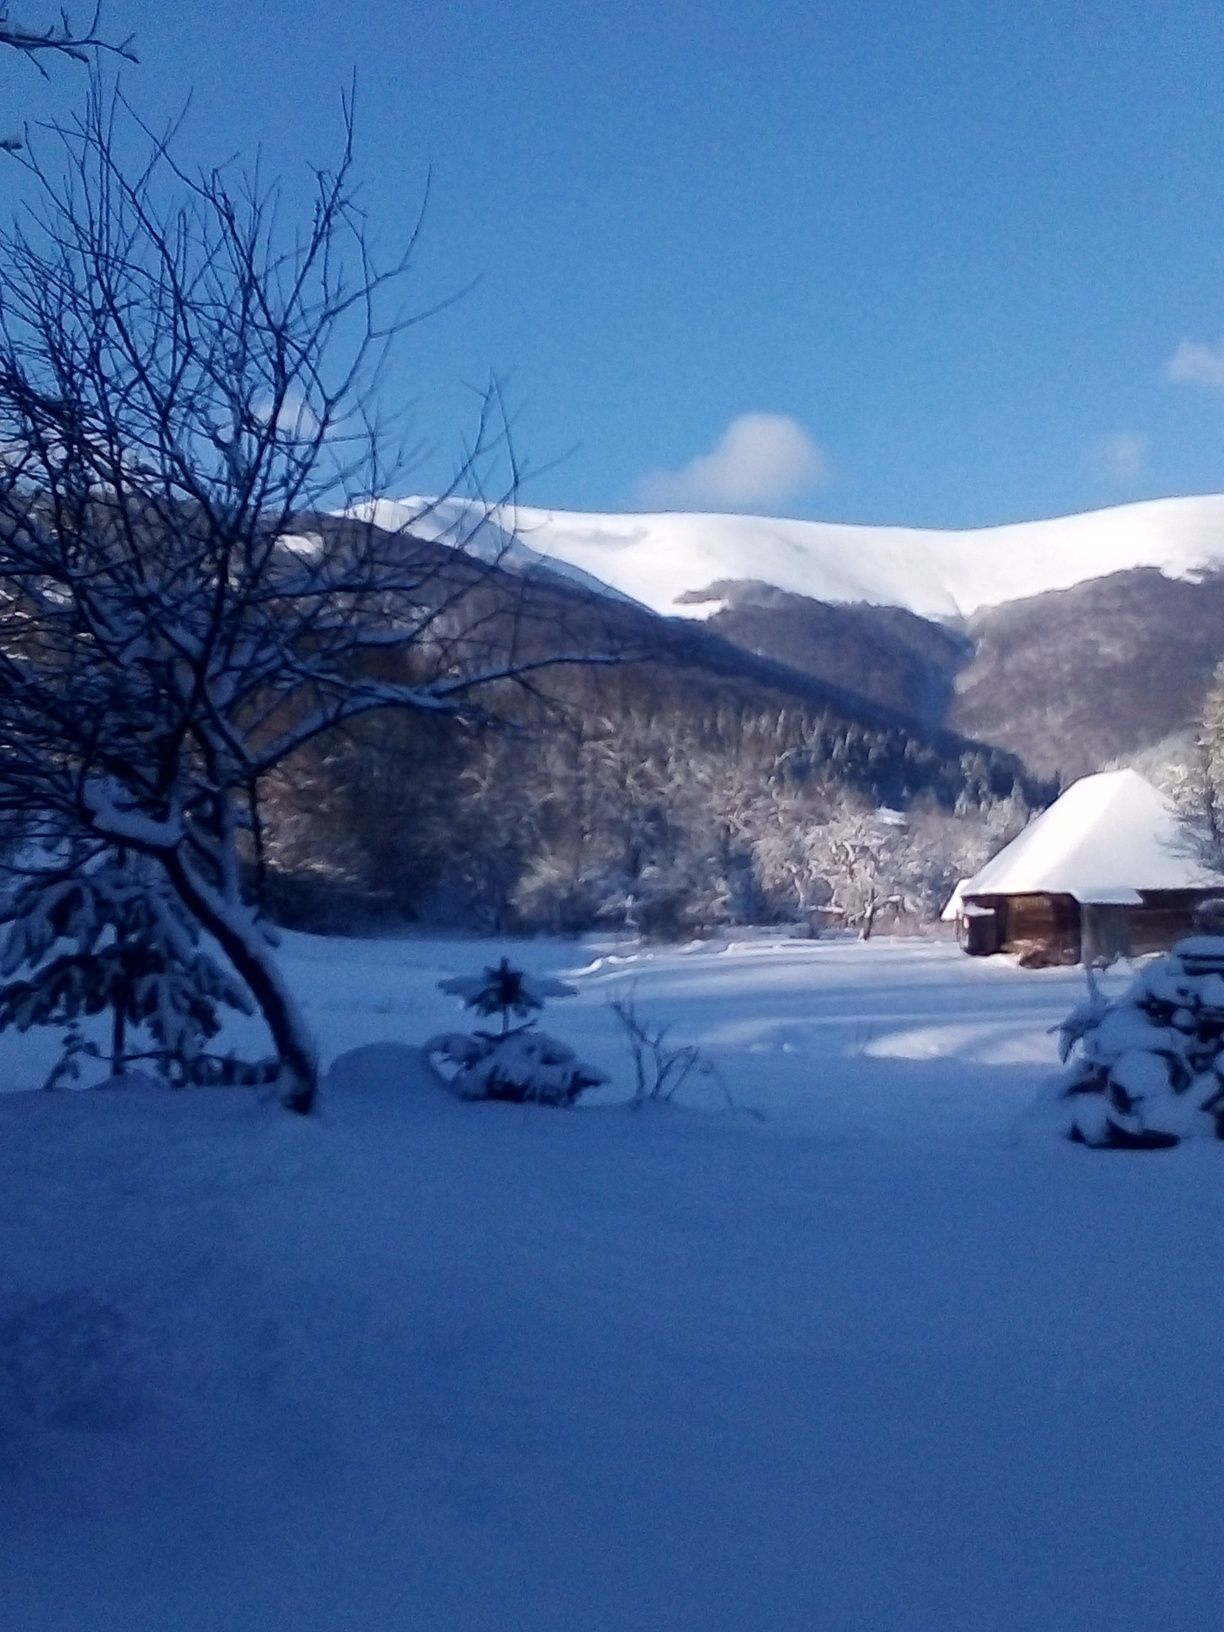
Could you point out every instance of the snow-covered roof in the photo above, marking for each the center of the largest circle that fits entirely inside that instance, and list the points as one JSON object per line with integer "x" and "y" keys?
{"x": 1108, "y": 838}
{"x": 954, "y": 907}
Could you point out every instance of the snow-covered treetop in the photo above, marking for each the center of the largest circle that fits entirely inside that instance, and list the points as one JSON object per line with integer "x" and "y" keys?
{"x": 502, "y": 989}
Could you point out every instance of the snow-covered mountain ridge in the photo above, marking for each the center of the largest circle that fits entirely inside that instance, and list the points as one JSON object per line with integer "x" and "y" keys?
{"x": 658, "y": 559}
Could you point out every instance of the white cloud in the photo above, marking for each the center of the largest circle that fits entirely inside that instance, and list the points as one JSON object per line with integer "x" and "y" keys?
{"x": 1121, "y": 457}
{"x": 758, "y": 459}
{"x": 1197, "y": 363}
{"x": 295, "y": 419}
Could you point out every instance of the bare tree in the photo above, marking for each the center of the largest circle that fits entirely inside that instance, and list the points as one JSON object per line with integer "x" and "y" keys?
{"x": 79, "y": 43}
{"x": 186, "y": 390}
{"x": 1197, "y": 793}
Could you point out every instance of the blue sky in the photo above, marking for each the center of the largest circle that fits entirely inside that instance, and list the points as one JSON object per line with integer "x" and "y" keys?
{"x": 947, "y": 264}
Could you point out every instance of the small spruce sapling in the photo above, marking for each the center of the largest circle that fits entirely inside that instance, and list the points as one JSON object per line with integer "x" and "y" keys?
{"x": 108, "y": 937}
{"x": 516, "y": 1062}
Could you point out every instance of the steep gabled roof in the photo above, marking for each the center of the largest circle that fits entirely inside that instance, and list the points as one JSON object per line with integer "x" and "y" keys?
{"x": 1107, "y": 838}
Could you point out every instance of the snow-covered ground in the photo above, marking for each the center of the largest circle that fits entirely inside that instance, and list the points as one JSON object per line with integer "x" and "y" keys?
{"x": 888, "y": 1359}
{"x": 936, "y": 572}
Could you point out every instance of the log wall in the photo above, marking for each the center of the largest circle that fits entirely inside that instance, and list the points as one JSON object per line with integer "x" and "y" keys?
{"x": 1053, "y": 929}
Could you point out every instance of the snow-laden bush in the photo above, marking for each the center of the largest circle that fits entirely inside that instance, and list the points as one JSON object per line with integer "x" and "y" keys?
{"x": 516, "y": 1062}
{"x": 1147, "y": 1070}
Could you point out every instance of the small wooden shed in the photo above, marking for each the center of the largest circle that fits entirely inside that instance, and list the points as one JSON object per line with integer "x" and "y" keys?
{"x": 1105, "y": 872}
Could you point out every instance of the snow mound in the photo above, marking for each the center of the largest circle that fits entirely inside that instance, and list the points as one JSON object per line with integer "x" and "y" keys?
{"x": 381, "y": 1079}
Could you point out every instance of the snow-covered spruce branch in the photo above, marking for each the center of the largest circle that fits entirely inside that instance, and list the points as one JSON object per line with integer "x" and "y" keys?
{"x": 1146, "y": 1070}
{"x": 107, "y": 935}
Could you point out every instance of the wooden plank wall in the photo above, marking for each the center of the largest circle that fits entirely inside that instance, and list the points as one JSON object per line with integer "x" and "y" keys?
{"x": 1047, "y": 924}
{"x": 1050, "y": 927}
{"x": 1162, "y": 919}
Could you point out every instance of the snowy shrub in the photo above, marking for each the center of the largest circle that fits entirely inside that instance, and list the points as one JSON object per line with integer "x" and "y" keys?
{"x": 515, "y": 1062}
{"x": 522, "y": 1065}
{"x": 1147, "y": 1070}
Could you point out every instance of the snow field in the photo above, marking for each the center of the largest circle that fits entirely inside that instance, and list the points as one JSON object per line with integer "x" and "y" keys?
{"x": 657, "y": 558}
{"x": 889, "y": 1359}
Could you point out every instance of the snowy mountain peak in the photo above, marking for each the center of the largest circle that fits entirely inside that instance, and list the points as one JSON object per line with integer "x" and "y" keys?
{"x": 660, "y": 559}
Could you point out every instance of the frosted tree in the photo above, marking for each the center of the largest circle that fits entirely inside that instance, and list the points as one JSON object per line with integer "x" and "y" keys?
{"x": 106, "y": 936}
{"x": 865, "y": 855}
{"x": 944, "y": 847}
{"x": 1197, "y": 792}
{"x": 188, "y": 385}
{"x": 482, "y": 836}
{"x": 1194, "y": 780}
{"x": 574, "y": 862}
{"x": 792, "y": 858}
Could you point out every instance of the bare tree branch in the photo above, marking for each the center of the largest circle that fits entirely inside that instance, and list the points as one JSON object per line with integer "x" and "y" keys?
{"x": 186, "y": 393}
{"x": 80, "y": 44}
{"x": 62, "y": 39}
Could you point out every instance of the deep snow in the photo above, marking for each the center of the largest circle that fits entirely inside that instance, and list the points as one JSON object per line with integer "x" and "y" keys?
{"x": 938, "y": 573}
{"x": 892, "y": 1358}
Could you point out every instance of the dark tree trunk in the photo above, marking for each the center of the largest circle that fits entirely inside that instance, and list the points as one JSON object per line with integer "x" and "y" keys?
{"x": 255, "y": 966}
{"x": 119, "y": 1037}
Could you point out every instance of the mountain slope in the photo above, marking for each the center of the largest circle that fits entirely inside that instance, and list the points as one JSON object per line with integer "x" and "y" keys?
{"x": 663, "y": 560}
{"x": 890, "y": 657}
{"x": 1069, "y": 642}
{"x": 1074, "y": 679}
{"x": 1068, "y": 680}
{"x": 511, "y": 604}
{"x": 654, "y": 784}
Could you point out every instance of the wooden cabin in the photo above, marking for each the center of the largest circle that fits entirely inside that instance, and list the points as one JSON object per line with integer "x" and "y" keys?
{"x": 1105, "y": 872}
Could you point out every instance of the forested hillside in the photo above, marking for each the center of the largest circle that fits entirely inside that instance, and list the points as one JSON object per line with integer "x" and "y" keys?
{"x": 1069, "y": 680}
{"x": 682, "y": 785}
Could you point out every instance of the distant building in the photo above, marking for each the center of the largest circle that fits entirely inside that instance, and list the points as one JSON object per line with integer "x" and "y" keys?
{"x": 1106, "y": 871}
